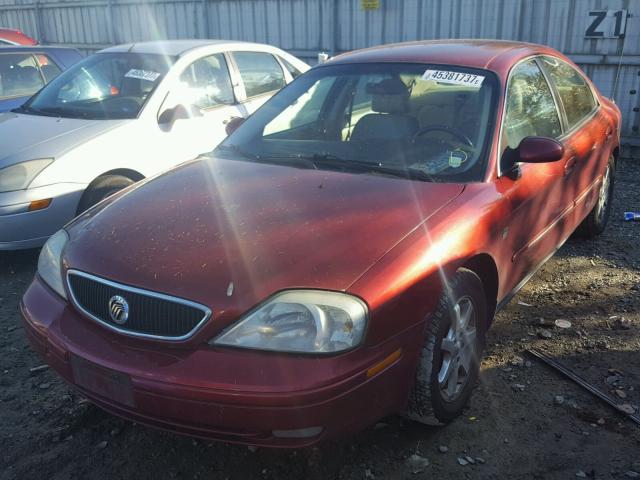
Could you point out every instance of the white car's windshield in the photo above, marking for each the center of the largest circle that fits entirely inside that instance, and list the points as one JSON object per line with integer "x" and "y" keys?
{"x": 418, "y": 121}
{"x": 104, "y": 86}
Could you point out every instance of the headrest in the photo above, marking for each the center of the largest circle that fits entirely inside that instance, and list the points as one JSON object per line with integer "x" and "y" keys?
{"x": 389, "y": 96}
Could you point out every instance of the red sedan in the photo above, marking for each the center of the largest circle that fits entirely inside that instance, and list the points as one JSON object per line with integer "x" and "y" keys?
{"x": 341, "y": 255}
{"x": 10, "y": 36}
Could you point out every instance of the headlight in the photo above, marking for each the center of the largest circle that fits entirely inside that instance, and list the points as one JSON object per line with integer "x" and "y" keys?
{"x": 49, "y": 263}
{"x": 303, "y": 321}
{"x": 20, "y": 175}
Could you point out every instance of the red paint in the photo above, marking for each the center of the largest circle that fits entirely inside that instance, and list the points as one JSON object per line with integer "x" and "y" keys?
{"x": 16, "y": 37}
{"x": 190, "y": 232}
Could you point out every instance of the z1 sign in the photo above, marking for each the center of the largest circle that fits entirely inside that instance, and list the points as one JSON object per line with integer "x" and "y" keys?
{"x": 606, "y": 24}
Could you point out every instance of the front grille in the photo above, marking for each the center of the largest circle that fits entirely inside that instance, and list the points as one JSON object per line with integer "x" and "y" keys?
{"x": 150, "y": 314}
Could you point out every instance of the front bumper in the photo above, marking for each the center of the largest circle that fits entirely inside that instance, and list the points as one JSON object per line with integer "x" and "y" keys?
{"x": 230, "y": 395}
{"x": 20, "y": 228}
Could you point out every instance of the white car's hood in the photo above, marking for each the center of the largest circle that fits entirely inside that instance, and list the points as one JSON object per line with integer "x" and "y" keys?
{"x": 28, "y": 137}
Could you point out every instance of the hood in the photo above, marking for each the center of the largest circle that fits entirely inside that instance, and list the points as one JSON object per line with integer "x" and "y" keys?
{"x": 192, "y": 231}
{"x": 28, "y": 137}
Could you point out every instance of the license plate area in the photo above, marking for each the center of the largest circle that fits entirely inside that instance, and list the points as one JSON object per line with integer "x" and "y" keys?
{"x": 107, "y": 383}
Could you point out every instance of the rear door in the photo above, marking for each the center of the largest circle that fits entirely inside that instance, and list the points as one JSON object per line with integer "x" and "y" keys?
{"x": 534, "y": 227}
{"x": 586, "y": 135}
{"x": 260, "y": 76}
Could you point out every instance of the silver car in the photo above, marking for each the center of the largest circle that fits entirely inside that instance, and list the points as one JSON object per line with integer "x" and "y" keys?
{"x": 121, "y": 115}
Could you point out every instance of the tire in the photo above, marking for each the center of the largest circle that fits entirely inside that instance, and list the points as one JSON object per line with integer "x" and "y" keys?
{"x": 101, "y": 188}
{"x": 435, "y": 400}
{"x": 595, "y": 223}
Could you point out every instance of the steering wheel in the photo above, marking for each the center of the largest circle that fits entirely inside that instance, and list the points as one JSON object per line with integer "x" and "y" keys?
{"x": 454, "y": 132}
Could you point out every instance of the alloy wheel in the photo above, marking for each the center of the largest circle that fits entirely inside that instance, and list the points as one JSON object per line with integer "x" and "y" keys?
{"x": 458, "y": 350}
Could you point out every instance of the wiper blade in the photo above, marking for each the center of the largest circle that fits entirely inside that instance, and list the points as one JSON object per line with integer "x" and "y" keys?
{"x": 330, "y": 160}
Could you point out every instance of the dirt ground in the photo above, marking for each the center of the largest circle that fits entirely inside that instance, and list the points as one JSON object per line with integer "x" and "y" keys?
{"x": 524, "y": 420}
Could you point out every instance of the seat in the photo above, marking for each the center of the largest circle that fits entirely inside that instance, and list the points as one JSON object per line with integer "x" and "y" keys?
{"x": 390, "y": 101}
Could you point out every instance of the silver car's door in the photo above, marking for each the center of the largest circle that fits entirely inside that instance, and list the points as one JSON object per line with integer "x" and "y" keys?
{"x": 260, "y": 76}
{"x": 194, "y": 115}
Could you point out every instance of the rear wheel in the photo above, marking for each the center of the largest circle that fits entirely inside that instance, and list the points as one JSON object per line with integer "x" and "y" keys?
{"x": 595, "y": 223}
{"x": 101, "y": 188}
{"x": 450, "y": 358}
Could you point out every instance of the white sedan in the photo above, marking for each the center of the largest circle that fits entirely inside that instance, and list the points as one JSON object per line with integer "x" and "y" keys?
{"x": 121, "y": 115}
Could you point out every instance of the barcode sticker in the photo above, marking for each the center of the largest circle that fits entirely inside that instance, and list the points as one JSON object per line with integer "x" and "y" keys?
{"x": 143, "y": 75}
{"x": 454, "y": 78}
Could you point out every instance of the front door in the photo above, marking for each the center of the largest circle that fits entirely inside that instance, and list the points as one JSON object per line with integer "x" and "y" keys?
{"x": 206, "y": 93}
{"x": 534, "y": 227}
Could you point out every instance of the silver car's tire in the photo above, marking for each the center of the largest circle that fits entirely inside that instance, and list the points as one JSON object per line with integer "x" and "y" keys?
{"x": 101, "y": 188}
{"x": 450, "y": 358}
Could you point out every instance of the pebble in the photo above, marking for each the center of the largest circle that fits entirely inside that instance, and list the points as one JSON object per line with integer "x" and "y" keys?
{"x": 517, "y": 387}
{"x": 632, "y": 474}
{"x": 44, "y": 385}
{"x": 481, "y": 460}
{"x": 252, "y": 448}
{"x": 581, "y": 474}
{"x": 545, "y": 334}
{"x": 620, "y": 393}
{"x": 368, "y": 474}
{"x": 528, "y": 364}
{"x": 462, "y": 461}
{"x": 627, "y": 408}
{"x": 470, "y": 460}
{"x": 101, "y": 445}
{"x": 558, "y": 399}
{"x": 417, "y": 463}
{"x": 443, "y": 449}
{"x": 601, "y": 421}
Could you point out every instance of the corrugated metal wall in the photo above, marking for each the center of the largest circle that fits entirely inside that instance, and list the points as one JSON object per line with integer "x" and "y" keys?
{"x": 305, "y": 27}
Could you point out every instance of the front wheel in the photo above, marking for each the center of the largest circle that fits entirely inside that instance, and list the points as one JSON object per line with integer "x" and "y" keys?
{"x": 595, "y": 223}
{"x": 450, "y": 359}
{"x": 101, "y": 188}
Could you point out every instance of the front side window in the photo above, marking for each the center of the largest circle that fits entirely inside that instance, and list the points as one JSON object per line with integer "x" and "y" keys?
{"x": 205, "y": 83}
{"x": 531, "y": 110}
{"x": 406, "y": 120}
{"x": 575, "y": 93}
{"x": 19, "y": 75}
{"x": 103, "y": 86}
{"x": 260, "y": 72}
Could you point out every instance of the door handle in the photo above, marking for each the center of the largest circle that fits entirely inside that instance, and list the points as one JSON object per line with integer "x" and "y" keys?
{"x": 570, "y": 165}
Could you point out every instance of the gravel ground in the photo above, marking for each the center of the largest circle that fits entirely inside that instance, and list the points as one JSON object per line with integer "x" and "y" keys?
{"x": 524, "y": 420}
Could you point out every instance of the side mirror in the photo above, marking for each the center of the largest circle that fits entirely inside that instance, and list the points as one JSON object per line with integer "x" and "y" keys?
{"x": 179, "y": 112}
{"x": 233, "y": 123}
{"x": 539, "y": 150}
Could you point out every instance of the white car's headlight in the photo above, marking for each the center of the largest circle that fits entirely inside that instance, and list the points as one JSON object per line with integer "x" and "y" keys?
{"x": 50, "y": 262}
{"x": 301, "y": 321}
{"x": 20, "y": 175}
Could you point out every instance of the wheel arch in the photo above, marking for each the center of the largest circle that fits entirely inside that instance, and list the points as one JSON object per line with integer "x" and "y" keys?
{"x": 125, "y": 172}
{"x": 485, "y": 267}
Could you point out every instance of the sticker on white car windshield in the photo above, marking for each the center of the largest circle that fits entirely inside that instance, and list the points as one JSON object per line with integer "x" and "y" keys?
{"x": 454, "y": 78}
{"x": 147, "y": 75}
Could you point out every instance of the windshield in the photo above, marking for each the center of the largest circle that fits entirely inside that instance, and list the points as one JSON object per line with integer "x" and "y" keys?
{"x": 103, "y": 86}
{"x": 412, "y": 120}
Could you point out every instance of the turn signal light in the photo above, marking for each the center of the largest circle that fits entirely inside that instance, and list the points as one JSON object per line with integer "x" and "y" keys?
{"x": 39, "y": 204}
{"x": 387, "y": 362}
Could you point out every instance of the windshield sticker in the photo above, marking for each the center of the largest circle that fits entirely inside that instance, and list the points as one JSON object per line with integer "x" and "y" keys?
{"x": 454, "y": 78}
{"x": 147, "y": 75}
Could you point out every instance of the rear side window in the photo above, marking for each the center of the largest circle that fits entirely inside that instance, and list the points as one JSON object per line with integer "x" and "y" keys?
{"x": 531, "y": 110}
{"x": 19, "y": 75}
{"x": 577, "y": 98}
{"x": 260, "y": 72}
{"x": 49, "y": 69}
{"x": 290, "y": 68}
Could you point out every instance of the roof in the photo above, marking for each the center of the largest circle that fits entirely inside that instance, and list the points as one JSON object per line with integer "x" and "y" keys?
{"x": 169, "y": 47}
{"x": 471, "y": 53}
{"x": 33, "y": 48}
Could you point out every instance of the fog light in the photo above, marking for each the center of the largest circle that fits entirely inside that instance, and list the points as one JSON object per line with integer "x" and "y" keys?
{"x": 299, "y": 433}
{"x": 39, "y": 204}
